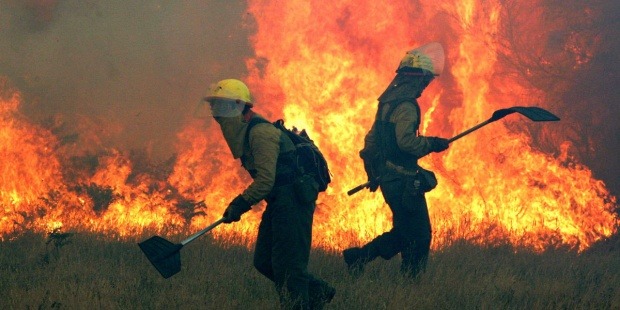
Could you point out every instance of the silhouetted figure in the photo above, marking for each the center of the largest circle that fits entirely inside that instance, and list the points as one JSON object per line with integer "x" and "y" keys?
{"x": 285, "y": 231}
{"x": 391, "y": 151}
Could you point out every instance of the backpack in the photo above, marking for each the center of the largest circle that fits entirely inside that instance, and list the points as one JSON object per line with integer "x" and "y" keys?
{"x": 309, "y": 159}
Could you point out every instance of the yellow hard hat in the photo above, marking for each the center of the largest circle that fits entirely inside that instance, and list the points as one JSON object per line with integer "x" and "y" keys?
{"x": 230, "y": 89}
{"x": 429, "y": 57}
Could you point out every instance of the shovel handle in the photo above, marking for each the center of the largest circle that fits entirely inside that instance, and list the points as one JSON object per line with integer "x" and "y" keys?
{"x": 202, "y": 232}
{"x": 462, "y": 134}
{"x": 358, "y": 188}
{"x": 534, "y": 113}
{"x": 470, "y": 130}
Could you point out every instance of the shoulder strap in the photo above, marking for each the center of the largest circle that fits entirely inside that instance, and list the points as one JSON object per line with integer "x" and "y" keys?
{"x": 253, "y": 121}
{"x": 384, "y": 120}
{"x": 286, "y": 166}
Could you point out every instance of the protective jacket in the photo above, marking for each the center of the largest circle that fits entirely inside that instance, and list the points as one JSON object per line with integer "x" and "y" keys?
{"x": 395, "y": 130}
{"x": 400, "y": 138}
{"x": 263, "y": 151}
{"x": 267, "y": 157}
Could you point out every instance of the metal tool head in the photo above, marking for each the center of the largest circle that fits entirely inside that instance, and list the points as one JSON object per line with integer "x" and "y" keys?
{"x": 163, "y": 254}
{"x": 533, "y": 113}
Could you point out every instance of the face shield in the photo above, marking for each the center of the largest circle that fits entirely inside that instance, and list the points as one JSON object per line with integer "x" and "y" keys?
{"x": 428, "y": 58}
{"x": 222, "y": 107}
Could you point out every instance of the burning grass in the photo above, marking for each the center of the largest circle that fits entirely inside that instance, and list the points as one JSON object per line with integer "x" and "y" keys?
{"x": 517, "y": 184}
{"x": 80, "y": 271}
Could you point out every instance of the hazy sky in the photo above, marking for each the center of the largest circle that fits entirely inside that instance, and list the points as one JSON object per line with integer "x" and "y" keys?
{"x": 131, "y": 67}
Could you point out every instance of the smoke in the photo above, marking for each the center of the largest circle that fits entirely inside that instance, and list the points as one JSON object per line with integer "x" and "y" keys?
{"x": 600, "y": 86}
{"x": 568, "y": 51}
{"x": 588, "y": 103}
{"x": 129, "y": 72}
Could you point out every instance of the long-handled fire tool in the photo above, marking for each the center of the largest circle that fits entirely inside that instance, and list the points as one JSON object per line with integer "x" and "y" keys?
{"x": 164, "y": 255}
{"x": 533, "y": 113}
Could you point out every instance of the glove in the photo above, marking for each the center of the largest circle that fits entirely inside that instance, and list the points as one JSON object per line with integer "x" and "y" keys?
{"x": 438, "y": 144}
{"x": 373, "y": 183}
{"x": 235, "y": 209}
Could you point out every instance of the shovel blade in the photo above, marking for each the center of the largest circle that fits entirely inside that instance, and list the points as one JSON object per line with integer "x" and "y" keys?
{"x": 499, "y": 114}
{"x": 536, "y": 114}
{"x": 163, "y": 254}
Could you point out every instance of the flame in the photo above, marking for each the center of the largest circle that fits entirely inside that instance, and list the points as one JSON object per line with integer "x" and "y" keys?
{"x": 493, "y": 185}
{"x": 321, "y": 67}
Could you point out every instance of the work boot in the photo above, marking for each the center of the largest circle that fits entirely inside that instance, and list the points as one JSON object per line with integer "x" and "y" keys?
{"x": 355, "y": 258}
{"x": 320, "y": 293}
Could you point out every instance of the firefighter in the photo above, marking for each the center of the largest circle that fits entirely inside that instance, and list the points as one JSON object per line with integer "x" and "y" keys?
{"x": 284, "y": 234}
{"x": 390, "y": 155}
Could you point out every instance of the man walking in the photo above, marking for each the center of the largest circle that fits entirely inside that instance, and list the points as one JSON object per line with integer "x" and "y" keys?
{"x": 391, "y": 151}
{"x": 285, "y": 231}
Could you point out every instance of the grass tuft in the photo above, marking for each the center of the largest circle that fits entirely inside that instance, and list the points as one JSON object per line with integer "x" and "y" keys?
{"x": 82, "y": 271}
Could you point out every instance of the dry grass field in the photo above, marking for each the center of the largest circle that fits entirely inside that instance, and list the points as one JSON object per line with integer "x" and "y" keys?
{"x": 84, "y": 271}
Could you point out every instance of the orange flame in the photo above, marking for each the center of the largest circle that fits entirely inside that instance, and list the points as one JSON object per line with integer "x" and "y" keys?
{"x": 327, "y": 65}
{"x": 321, "y": 67}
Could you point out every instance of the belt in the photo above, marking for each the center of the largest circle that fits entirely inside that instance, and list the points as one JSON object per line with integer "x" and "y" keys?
{"x": 400, "y": 169}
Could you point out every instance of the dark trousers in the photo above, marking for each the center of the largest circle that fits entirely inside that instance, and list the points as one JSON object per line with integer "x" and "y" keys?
{"x": 411, "y": 232}
{"x": 283, "y": 247}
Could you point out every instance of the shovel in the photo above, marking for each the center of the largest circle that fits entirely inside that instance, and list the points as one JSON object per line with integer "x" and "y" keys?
{"x": 164, "y": 255}
{"x": 535, "y": 114}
